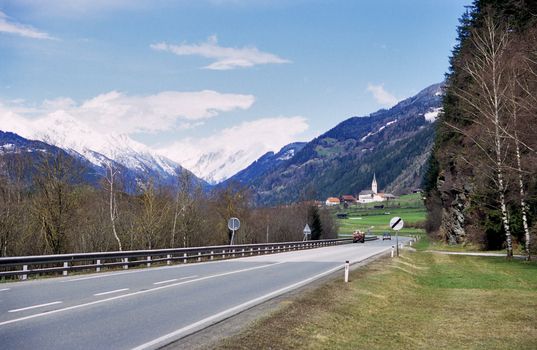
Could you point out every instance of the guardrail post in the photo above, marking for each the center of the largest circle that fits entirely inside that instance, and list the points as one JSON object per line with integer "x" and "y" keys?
{"x": 24, "y": 268}
{"x": 212, "y": 257}
{"x": 126, "y": 266}
{"x": 199, "y": 256}
{"x": 98, "y": 268}
{"x": 184, "y": 258}
{"x": 251, "y": 251}
{"x": 233, "y": 253}
{"x": 223, "y": 253}
{"x": 242, "y": 251}
{"x": 168, "y": 259}
{"x": 65, "y": 266}
{"x": 149, "y": 263}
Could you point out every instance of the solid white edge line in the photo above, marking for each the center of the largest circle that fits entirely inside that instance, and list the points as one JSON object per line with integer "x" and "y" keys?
{"x": 111, "y": 292}
{"x": 35, "y": 306}
{"x": 165, "y": 339}
{"x": 167, "y": 281}
{"x": 134, "y": 293}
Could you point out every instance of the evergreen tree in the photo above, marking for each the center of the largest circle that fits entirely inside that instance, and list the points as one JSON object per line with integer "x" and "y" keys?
{"x": 314, "y": 220}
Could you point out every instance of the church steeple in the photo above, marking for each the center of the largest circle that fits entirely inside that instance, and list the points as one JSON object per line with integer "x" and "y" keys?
{"x": 374, "y": 184}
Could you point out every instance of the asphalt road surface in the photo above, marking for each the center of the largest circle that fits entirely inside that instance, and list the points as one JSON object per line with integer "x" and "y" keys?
{"x": 148, "y": 308}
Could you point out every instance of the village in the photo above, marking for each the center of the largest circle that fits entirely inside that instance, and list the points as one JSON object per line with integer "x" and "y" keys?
{"x": 364, "y": 197}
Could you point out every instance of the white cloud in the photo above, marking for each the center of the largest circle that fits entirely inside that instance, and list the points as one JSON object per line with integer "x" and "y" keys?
{"x": 115, "y": 113}
{"x": 225, "y": 57}
{"x": 382, "y": 96}
{"x": 223, "y": 154}
{"x": 152, "y": 113}
{"x": 8, "y": 26}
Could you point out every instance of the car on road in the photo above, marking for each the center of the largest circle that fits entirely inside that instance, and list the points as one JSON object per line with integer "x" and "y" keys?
{"x": 386, "y": 236}
{"x": 358, "y": 236}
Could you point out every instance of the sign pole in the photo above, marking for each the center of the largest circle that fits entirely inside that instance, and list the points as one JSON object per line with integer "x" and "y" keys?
{"x": 397, "y": 241}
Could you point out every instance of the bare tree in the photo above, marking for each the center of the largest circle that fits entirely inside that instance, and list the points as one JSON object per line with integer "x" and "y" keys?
{"x": 154, "y": 209}
{"x": 486, "y": 104}
{"x": 111, "y": 179}
{"x": 54, "y": 203}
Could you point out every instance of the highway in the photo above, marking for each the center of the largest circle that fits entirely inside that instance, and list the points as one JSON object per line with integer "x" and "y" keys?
{"x": 148, "y": 308}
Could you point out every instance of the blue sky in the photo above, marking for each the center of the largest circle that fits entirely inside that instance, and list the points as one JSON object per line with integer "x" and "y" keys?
{"x": 301, "y": 65}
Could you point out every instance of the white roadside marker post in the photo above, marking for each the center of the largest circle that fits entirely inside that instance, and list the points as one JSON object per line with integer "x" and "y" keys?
{"x": 346, "y": 271}
{"x": 393, "y": 250}
{"x": 25, "y": 276}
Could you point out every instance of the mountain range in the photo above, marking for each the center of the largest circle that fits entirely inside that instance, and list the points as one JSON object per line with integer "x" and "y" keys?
{"x": 392, "y": 143}
{"x": 135, "y": 167}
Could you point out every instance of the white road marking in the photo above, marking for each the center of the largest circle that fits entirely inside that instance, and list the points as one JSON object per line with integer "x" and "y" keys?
{"x": 175, "y": 279}
{"x": 4, "y": 289}
{"x": 122, "y": 296}
{"x": 188, "y": 277}
{"x": 35, "y": 306}
{"x": 111, "y": 292}
{"x": 167, "y": 281}
{"x": 156, "y": 343}
{"x": 111, "y": 274}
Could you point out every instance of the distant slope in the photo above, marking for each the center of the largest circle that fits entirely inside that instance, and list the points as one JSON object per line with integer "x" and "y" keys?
{"x": 392, "y": 143}
{"x": 265, "y": 164}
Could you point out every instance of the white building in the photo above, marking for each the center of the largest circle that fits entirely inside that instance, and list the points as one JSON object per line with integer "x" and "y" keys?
{"x": 372, "y": 195}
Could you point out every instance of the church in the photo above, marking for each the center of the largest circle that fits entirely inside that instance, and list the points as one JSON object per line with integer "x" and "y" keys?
{"x": 372, "y": 195}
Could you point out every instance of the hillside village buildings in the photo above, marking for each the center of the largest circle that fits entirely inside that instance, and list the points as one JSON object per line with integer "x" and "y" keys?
{"x": 365, "y": 196}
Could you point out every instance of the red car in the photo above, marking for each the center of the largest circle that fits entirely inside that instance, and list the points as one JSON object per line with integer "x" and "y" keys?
{"x": 358, "y": 236}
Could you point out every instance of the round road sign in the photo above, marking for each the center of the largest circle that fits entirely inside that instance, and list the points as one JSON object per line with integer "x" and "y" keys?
{"x": 233, "y": 224}
{"x": 396, "y": 223}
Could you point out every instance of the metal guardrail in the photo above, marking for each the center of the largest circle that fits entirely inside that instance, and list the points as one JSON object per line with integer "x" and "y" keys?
{"x": 42, "y": 264}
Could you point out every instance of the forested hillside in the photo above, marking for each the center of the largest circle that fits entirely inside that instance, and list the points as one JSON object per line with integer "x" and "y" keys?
{"x": 480, "y": 184}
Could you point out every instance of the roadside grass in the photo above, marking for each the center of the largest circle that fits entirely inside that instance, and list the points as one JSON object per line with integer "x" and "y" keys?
{"x": 418, "y": 301}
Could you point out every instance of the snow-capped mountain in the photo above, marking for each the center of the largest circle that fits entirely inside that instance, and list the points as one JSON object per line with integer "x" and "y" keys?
{"x": 219, "y": 165}
{"x": 139, "y": 163}
{"x": 65, "y": 131}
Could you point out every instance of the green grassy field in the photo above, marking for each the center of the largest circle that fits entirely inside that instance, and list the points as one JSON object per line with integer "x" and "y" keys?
{"x": 418, "y": 301}
{"x": 364, "y": 216}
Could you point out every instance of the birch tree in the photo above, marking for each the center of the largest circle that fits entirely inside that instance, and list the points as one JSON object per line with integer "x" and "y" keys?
{"x": 111, "y": 180}
{"x": 485, "y": 103}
